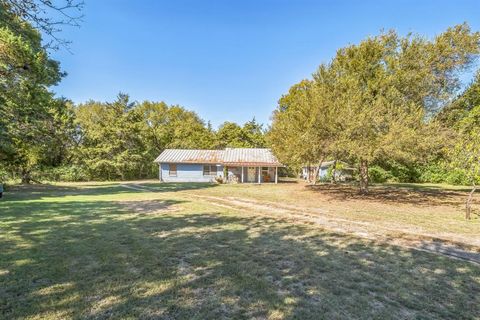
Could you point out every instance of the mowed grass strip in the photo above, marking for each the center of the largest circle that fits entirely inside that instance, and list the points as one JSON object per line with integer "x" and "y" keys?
{"x": 98, "y": 251}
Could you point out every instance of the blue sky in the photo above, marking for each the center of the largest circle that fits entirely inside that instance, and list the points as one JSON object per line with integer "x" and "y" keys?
{"x": 228, "y": 60}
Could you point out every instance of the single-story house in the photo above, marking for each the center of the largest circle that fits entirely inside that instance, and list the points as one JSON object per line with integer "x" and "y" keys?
{"x": 344, "y": 172}
{"x": 243, "y": 165}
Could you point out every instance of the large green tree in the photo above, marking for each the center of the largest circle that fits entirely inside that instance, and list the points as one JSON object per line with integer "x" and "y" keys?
{"x": 386, "y": 90}
{"x": 305, "y": 125}
{"x": 27, "y": 107}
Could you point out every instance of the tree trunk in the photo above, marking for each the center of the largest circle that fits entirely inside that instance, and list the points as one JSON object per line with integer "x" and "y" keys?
{"x": 26, "y": 178}
{"x": 309, "y": 173}
{"x": 364, "y": 176}
{"x": 317, "y": 170}
{"x": 334, "y": 172}
{"x": 468, "y": 203}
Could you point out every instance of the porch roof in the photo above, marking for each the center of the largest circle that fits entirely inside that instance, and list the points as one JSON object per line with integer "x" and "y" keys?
{"x": 250, "y": 157}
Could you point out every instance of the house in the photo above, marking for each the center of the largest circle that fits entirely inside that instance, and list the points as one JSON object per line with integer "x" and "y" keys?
{"x": 243, "y": 165}
{"x": 342, "y": 173}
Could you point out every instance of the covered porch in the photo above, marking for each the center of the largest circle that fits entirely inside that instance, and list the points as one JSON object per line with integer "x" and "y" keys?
{"x": 252, "y": 174}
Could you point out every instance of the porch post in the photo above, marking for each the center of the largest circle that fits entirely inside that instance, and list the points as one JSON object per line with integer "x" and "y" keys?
{"x": 276, "y": 175}
{"x": 259, "y": 174}
{"x": 242, "y": 174}
{"x": 160, "y": 171}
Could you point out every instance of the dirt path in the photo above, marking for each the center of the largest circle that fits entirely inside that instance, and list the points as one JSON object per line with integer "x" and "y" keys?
{"x": 454, "y": 247}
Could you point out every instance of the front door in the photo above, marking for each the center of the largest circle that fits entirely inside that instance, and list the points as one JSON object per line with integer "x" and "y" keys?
{"x": 251, "y": 174}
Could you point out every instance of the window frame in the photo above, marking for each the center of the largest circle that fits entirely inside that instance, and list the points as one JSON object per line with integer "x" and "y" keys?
{"x": 210, "y": 172}
{"x": 171, "y": 172}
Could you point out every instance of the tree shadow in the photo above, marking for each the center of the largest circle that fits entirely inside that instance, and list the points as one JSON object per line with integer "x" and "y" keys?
{"x": 41, "y": 191}
{"x": 102, "y": 260}
{"x": 420, "y": 196}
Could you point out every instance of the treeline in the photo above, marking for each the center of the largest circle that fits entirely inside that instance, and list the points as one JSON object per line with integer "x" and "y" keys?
{"x": 120, "y": 140}
{"x": 47, "y": 138}
{"x": 390, "y": 106}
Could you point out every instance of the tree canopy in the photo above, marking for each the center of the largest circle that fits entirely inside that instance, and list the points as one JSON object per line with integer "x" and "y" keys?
{"x": 374, "y": 100}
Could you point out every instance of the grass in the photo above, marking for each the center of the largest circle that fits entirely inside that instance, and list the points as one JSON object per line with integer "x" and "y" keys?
{"x": 104, "y": 251}
{"x": 436, "y": 210}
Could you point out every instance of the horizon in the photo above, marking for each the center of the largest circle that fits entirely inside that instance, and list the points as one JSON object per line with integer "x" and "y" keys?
{"x": 228, "y": 61}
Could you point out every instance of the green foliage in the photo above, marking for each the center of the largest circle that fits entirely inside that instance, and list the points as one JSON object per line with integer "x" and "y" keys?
{"x": 68, "y": 173}
{"x": 373, "y": 102}
{"x": 3, "y": 175}
{"x": 465, "y": 154}
{"x": 379, "y": 175}
{"x": 434, "y": 173}
{"x": 30, "y": 117}
{"x": 230, "y": 134}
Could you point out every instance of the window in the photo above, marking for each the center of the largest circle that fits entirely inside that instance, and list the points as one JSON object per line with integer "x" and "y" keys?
{"x": 264, "y": 170}
{"x": 209, "y": 170}
{"x": 172, "y": 170}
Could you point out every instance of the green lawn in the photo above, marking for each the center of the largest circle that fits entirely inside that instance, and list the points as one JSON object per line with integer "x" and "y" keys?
{"x": 103, "y": 250}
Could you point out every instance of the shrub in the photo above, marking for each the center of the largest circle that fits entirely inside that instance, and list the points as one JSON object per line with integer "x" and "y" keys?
{"x": 434, "y": 173}
{"x": 379, "y": 175}
{"x": 457, "y": 177}
{"x": 66, "y": 173}
{"x": 3, "y": 175}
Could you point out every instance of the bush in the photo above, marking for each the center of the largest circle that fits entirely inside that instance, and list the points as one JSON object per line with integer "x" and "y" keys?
{"x": 379, "y": 175}
{"x": 434, "y": 173}
{"x": 66, "y": 173}
{"x": 3, "y": 175}
{"x": 457, "y": 177}
{"x": 441, "y": 173}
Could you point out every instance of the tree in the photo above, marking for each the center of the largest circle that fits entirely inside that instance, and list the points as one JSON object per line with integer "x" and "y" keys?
{"x": 384, "y": 91}
{"x": 392, "y": 85}
{"x": 119, "y": 140}
{"x": 26, "y": 105}
{"x": 306, "y": 125}
{"x": 232, "y": 135}
{"x": 454, "y": 112}
{"x": 466, "y": 153}
{"x": 46, "y": 16}
{"x": 111, "y": 146}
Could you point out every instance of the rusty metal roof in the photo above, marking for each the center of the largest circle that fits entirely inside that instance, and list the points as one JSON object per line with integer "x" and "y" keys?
{"x": 190, "y": 156}
{"x": 250, "y": 157}
{"x": 230, "y": 156}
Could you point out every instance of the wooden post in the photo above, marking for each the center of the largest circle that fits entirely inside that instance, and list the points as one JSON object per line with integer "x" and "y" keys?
{"x": 259, "y": 174}
{"x": 276, "y": 175}
{"x": 242, "y": 173}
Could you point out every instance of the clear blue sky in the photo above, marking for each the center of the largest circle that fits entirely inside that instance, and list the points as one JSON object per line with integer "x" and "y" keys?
{"x": 228, "y": 60}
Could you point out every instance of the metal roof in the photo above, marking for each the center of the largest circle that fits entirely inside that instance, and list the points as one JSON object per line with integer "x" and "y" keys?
{"x": 250, "y": 157}
{"x": 230, "y": 156}
{"x": 190, "y": 156}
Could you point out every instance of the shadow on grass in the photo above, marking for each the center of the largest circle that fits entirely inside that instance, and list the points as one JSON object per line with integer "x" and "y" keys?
{"x": 39, "y": 191}
{"x": 100, "y": 260}
{"x": 398, "y": 193}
